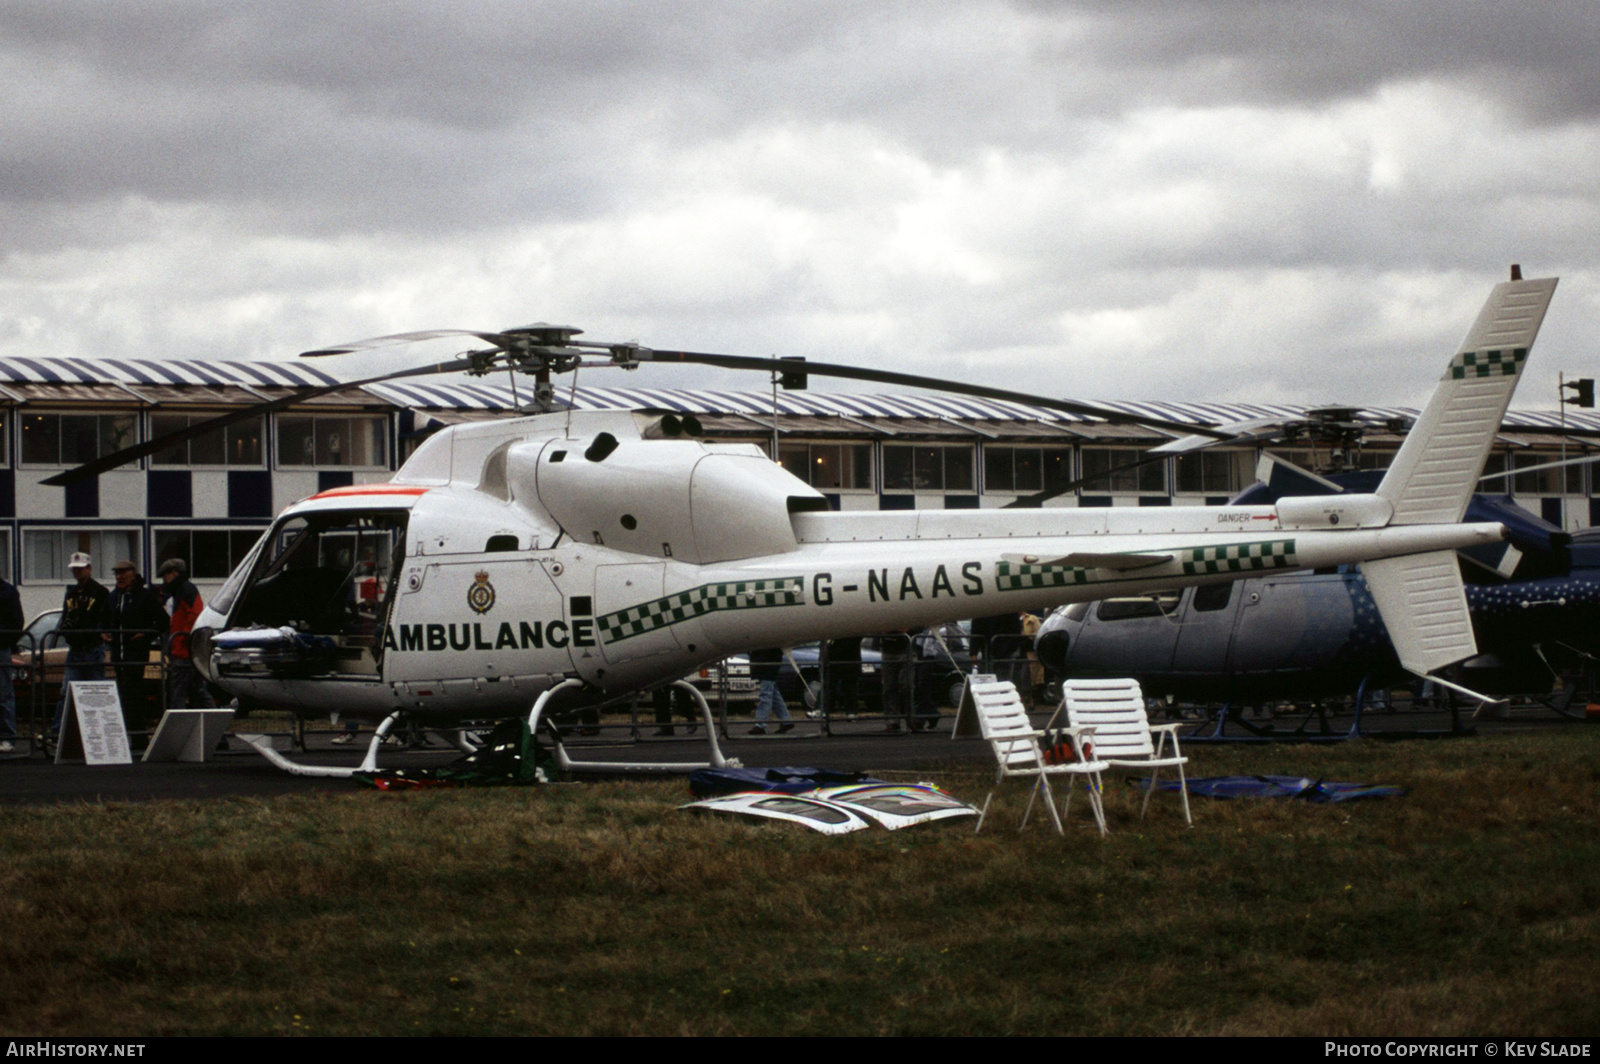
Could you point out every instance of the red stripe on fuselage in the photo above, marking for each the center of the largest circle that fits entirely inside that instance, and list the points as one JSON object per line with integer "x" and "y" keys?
{"x": 368, "y": 489}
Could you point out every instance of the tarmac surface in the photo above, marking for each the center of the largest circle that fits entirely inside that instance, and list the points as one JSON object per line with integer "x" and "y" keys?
{"x": 29, "y": 778}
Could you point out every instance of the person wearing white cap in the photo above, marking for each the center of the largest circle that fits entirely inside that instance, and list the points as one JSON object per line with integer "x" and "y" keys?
{"x": 82, "y": 620}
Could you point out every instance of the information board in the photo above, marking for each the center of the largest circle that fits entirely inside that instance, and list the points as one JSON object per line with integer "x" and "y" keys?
{"x": 93, "y": 727}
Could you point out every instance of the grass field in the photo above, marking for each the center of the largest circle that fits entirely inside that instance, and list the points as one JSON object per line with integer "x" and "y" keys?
{"x": 1470, "y": 906}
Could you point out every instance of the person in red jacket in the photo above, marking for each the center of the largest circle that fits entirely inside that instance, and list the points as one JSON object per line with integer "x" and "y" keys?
{"x": 183, "y": 601}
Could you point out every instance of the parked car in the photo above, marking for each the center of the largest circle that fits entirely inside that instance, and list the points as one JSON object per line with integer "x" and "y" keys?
{"x": 33, "y": 660}
{"x": 730, "y": 676}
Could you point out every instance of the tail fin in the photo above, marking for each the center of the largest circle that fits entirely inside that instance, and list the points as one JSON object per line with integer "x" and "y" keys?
{"x": 1438, "y": 466}
{"x": 1421, "y": 597}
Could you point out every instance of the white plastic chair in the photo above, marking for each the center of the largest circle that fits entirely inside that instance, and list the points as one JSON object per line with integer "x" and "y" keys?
{"x": 1005, "y": 725}
{"x": 1123, "y": 734}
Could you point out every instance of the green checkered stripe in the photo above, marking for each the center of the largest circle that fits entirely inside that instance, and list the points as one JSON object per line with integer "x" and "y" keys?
{"x": 699, "y": 601}
{"x": 1486, "y": 364}
{"x": 1010, "y": 576}
{"x": 1238, "y": 557}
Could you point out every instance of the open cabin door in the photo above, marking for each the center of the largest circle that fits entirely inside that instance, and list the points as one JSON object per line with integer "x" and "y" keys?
{"x": 330, "y": 578}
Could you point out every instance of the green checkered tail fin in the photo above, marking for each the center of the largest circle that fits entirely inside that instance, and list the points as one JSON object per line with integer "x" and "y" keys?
{"x": 1438, "y": 466}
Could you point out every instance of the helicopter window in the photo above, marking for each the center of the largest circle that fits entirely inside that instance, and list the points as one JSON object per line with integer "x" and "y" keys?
{"x": 1212, "y": 597}
{"x": 500, "y": 543}
{"x": 1078, "y": 611}
{"x": 1122, "y": 609}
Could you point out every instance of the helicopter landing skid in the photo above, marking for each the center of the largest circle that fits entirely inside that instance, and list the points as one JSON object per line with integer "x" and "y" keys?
{"x": 1218, "y": 724}
{"x": 568, "y": 765}
{"x": 262, "y": 744}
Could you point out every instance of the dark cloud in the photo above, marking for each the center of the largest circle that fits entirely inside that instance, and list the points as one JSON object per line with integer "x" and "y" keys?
{"x": 1069, "y": 188}
{"x": 1304, "y": 51}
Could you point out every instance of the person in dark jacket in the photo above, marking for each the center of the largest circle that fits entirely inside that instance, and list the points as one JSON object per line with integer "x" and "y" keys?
{"x": 135, "y": 622}
{"x": 842, "y": 665}
{"x": 184, "y": 603}
{"x": 10, "y": 632}
{"x": 82, "y": 619}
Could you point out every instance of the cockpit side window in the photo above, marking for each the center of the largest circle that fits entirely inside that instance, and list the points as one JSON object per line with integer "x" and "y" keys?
{"x": 1158, "y": 604}
{"x": 1212, "y": 597}
{"x": 326, "y": 574}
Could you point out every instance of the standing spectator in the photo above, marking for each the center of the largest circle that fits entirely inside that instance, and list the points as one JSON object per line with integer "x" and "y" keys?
{"x": 134, "y": 623}
{"x": 895, "y": 672}
{"x": 996, "y": 643}
{"x": 82, "y": 617}
{"x": 10, "y": 632}
{"x": 1030, "y": 632}
{"x": 764, "y": 667}
{"x": 184, "y": 603}
{"x": 672, "y": 697}
{"x": 935, "y": 644}
{"x": 842, "y": 667}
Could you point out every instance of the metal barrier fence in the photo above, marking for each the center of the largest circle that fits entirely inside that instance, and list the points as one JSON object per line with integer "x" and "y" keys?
{"x": 886, "y": 684}
{"x": 879, "y": 684}
{"x": 138, "y": 660}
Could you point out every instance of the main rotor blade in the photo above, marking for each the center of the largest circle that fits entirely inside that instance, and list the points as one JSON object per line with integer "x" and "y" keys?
{"x": 912, "y": 380}
{"x": 161, "y": 443}
{"x": 498, "y": 339}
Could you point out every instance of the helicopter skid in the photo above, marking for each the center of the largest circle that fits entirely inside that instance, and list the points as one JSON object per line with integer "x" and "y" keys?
{"x": 262, "y": 744}
{"x": 568, "y": 765}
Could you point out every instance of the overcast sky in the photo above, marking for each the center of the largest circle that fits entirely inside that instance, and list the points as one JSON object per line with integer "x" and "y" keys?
{"x": 1275, "y": 201}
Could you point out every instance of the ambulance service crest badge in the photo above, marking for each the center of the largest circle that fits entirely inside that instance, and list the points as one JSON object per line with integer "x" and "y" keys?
{"x": 480, "y": 596}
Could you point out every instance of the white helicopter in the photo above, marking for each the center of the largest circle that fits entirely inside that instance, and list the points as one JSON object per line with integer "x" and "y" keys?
{"x": 565, "y": 559}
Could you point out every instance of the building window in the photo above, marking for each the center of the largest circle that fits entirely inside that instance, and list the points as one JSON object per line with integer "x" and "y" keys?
{"x": 829, "y": 466}
{"x": 1543, "y": 481}
{"x": 5, "y": 441}
{"x": 210, "y": 553}
{"x": 927, "y": 467}
{"x": 1098, "y": 463}
{"x": 45, "y": 551}
{"x": 1211, "y": 472}
{"x": 5, "y": 554}
{"x": 1026, "y": 470}
{"x": 323, "y": 441}
{"x": 72, "y": 439}
{"x": 238, "y": 444}
{"x": 1496, "y": 463}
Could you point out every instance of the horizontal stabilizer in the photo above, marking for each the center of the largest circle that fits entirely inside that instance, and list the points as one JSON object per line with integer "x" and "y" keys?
{"x": 1088, "y": 560}
{"x": 1424, "y": 605}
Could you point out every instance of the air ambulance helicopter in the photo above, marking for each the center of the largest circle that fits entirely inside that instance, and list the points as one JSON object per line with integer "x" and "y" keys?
{"x": 560, "y": 560}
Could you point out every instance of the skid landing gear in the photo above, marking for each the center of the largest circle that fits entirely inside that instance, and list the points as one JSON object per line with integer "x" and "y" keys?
{"x": 567, "y": 764}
